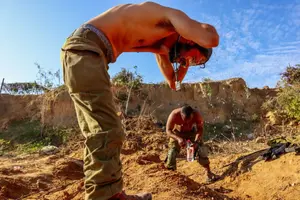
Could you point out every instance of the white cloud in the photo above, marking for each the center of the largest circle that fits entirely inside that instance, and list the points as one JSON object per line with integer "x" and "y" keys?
{"x": 294, "y": 42}
{"x": 284, "y": 51}
{"x": 291, "y": 47}
{"x": 262, "y": 70}
{"x": 255, "y": 43}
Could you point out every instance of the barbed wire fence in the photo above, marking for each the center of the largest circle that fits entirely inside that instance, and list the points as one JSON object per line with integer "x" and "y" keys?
{"x": 22, "y": 88}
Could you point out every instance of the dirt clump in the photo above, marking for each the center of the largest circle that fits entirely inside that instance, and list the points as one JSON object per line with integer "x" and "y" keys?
{"x": 69, "y": 169}
{"x": 13, "y": 189}
{"x": 148, "y": 158}
{"x": 142, "y": 134}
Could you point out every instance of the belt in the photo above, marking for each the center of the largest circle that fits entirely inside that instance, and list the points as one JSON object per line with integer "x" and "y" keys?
{"x": 98, "y": 38}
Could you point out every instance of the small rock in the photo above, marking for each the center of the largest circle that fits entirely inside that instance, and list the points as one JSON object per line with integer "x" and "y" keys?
{"x": 41, "y": 185}
{"x": 17, "y": 168}
{"x": 49, "y": 150}
{"x": 250, "y": 136}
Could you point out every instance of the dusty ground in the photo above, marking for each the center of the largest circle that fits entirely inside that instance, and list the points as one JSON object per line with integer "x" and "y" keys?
{"x": 60, "y": 176}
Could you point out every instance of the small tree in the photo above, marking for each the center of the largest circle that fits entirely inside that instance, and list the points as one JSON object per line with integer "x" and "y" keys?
{"x": 287, "y": 100}
{"x": 206, "y": 79}
{"x": 131, "y": 80}
{"x": 128, "y": 78}
{"x": 48, "y": 79}
{"x": 291, "y": 76}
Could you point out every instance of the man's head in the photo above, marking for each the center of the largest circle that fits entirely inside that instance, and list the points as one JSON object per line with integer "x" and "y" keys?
{"x": 187, "y": 113}
{"x": 189, "y": 53}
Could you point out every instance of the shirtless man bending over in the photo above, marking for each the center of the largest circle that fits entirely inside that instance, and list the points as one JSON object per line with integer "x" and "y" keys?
{"x": 144, "y": 27}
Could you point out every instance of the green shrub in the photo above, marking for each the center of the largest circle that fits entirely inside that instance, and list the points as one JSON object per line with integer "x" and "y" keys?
{"x": 291, "y": 76}
{"x": 128, "y": 78}
{"x": 287, "y": 100}
{"x": 25, "y": 137}
{"x": 207, "y": 80}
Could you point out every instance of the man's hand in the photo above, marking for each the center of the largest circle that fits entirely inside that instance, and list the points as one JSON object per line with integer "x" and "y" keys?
{"x": 181, "y": 142}
{"x": 167, "y": 70}
{"x": 195, "y": 145}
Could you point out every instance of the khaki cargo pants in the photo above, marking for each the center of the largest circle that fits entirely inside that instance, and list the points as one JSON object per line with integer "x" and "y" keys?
{"x": 174, "y": 149}
{"x": 88, "y": 82}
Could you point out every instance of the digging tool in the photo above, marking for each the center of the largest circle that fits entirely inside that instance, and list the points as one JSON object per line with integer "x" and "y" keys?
{"x": 175, "y": 66}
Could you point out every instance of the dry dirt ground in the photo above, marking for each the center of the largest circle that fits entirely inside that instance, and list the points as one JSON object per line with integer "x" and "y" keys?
{"x": 60, "y": 176}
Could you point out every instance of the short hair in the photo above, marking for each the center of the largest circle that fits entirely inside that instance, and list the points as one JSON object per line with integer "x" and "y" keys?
{"x": 187, "y": 111}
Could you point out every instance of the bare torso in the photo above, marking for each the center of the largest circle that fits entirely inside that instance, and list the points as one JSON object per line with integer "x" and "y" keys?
{"x": 185, "y": 126}
{"x": 136, "y": 28}
{"x": 150, "y": 27}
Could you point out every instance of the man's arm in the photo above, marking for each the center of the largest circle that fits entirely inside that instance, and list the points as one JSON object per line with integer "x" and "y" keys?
{"x": 200, "y": 124}
{"x": 167, "y": 70}
{"x": 203, "y": 34}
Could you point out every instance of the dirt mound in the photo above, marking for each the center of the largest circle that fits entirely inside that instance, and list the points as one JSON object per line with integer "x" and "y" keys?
{"x": 152, "y": 176}
{"x": 12, "y": 189}
{"x": 69, "y": 169}
{"x": 35, "y": 176}
{"x": 141, "y": 123}
{"x": 248, "y": 177}
{"x": 143, "y": 134}
{"x": 278, "y": 179}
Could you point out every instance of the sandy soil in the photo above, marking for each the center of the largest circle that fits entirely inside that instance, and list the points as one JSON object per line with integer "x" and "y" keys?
{"x": 60, "y": 176}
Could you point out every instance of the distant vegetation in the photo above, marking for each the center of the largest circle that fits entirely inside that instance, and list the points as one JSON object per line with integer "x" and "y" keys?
{"x": 287, "y": 102}
{"x": 131, "y": 80}
{"x": 128, "y": 78}
{"x": 25, "y": 137}
{"x": 45, "y": 81}
{"x": 207, "y": 79}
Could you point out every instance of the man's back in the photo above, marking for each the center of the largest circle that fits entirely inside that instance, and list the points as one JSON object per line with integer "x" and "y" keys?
{"x": 130, "y": 28}
{"x": 144, "y": 27}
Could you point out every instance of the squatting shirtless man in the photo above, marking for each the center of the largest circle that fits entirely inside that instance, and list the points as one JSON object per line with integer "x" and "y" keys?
{"x": 184, "y": 124}
{"x": 144, "y": 27}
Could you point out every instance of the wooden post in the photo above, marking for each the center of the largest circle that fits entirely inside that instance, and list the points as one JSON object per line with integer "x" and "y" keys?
{"x": 2, "y": 85}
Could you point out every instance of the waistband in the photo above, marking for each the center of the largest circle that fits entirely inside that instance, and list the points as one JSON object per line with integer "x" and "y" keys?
{"x": 102, "y": 37}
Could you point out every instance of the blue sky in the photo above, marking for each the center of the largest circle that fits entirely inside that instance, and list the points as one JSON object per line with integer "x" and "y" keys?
{"x": 258, "y": 39}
